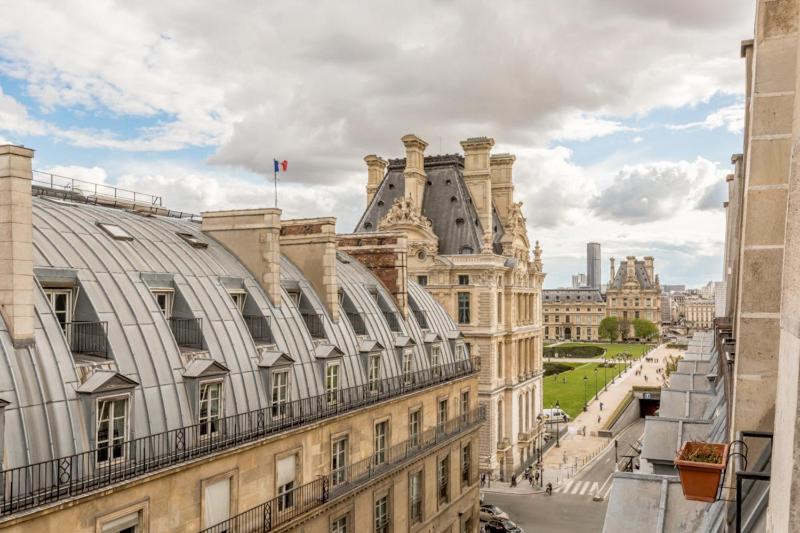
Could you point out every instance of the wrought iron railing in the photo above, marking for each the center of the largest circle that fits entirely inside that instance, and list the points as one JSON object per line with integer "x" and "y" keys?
{"x": 357, "y": 321}
{"x": 391, "y": 319}
{"x": 188, "y": 332}
{"x": 87, "y": 337}
{"x": 45, "y": 482}
{"x": 314, "y": 324}
{"x": 275, "y": 513}
{"x": 422, "y": 320}
{"x": 260, "y": 328}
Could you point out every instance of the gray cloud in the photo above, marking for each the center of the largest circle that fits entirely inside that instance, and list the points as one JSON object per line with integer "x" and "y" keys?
{"x": 713, "y": 196}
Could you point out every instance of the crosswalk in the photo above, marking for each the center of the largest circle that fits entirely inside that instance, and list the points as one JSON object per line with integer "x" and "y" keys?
{"x": 581, "y": 488}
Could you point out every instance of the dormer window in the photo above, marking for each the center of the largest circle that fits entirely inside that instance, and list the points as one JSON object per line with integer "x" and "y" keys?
{"x": 193, "y": 241}
{"x": 407, "y": 367}
{"x": 210, "y": 410}
{"x": 164, "y": 300}
{"x": 332, "y": 383}
{"x": 112, "y": 429}
{"x": 436, "y": 359}
{"x": 61, "y": 303}
{"x": 116, "y": 232}
{"x": 239, "y": 298}
{"x": 280, "y": 393}
{"x": 374, "y": 373}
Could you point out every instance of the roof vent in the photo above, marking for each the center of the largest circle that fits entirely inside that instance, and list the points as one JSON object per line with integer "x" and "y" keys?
{"x": 459, "y": 220}
{"x": 448, "y": 182}
{"x": 429, "y": 183}
{"x": 192, "y": 240}
{"x": 453, "y": 199}
{"x": 367, "y": 225}
{"x": 380, "y": 203}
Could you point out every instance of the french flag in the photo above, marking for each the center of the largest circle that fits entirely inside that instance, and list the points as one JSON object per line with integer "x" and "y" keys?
{"x": 280, "y": 166}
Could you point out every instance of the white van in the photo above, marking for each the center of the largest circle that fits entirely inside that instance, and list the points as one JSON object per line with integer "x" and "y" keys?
{"x": 555, "y": 415}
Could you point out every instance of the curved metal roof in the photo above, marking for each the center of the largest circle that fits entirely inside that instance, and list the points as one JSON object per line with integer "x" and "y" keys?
{"x": 44, "y": 418}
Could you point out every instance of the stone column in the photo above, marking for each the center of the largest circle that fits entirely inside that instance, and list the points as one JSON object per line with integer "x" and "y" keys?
{"x": 414, "y": 173}
{"x": 478, "y": 178}
{"x": 502, "y": 183}
{"x": 16, "y": 243}
{"x": 376, "y": 168}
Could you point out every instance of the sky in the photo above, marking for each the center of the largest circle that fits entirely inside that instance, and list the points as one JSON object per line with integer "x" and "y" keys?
{"x": 622, "y": 114}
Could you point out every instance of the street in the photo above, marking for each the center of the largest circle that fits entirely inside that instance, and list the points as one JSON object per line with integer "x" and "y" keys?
{"x": 571, "y": 507}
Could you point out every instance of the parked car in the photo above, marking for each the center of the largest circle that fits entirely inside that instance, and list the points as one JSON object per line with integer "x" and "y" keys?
{"x": 555, "y": 415}
{"x": 492, "y": 512}
{"x": 502, "y": 526}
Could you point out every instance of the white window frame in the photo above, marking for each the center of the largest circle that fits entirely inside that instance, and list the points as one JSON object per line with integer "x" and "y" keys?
{"x": 436, "y": 359}
{"x": 115, "y": 231}
{"x": 441, "y": 421}
{"x": 332, "y": 383}
{"x": 280, "y": 405}
{"x": 169, "y": 300}
{"x": 68, "y": 313}
{"x": 416, "y": 502}
{"x": 443, "y": 478}
{"x": 111, "y": 439}
{"x": 207, "y": 422}
{"x": 465, "y": 395}
{"x": 381, "y": 514}
{"x": 339, "y": 453}
{"x": 373, "y": 373}
{"x": 239, "y": 298}
{"x": 339, "y": 524}
{"x": 408, "y": 367}
{"x": 380, "y": 442}
{"x": 415, "y": 429}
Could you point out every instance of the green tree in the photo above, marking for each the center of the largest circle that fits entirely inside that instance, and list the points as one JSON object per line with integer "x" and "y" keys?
{"x": 644, "y": 329}
{"x": 609, "y": 328}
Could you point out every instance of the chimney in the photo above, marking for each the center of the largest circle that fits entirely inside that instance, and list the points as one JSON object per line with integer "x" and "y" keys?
{"x": 630, "y": 264}
{"x": 478, "y": 178}
{"x": 613, "y": 272}
{"x": 414, "y": 172}
{"x": 502, "y": 183}
{"x": 16, "y": 243}
{"x": 252, "y": 235}
{"x": 376, "y": 168}
{"x": 385, "y": 255}
{"x": 310, "y": 243}
{"x": 648, "y": 267}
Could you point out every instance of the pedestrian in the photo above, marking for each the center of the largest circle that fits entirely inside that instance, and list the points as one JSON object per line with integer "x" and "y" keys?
{"x": 513, "y": 480}
{"x": 530, "y": 480}
{"x": 483, "y": 479}
{"x": 601, "y": 406}
{"x": 645, "y": 377}
{"x": 598, "y": 419}
{"x": 536, "y": 475}
{"x": 549, "y": 489}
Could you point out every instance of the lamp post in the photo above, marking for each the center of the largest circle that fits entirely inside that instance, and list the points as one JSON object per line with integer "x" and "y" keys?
{"x": 595, "y": 383}
{"x": 585, "y": 382}
{"x": 558, "y": 419}
{"x": 605, "y": 377}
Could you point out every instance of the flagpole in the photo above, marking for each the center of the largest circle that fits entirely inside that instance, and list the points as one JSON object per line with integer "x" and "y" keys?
{"x": 275, "y": 181}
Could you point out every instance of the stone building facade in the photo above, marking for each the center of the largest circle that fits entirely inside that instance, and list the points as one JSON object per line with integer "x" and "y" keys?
{"x": 230, "y": 372}
{"x": 634, "y": 291}
{"x": 468, "y": 247}
{"x": 572, "y": 314}
{"x": 697, "y": 313}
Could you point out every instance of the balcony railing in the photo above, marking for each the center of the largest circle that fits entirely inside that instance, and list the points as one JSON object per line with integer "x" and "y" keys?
{"x": 260, "y": 328}
{"x": 188, "y": 332}
{"x": 45, "y": 482}
{"x": 275, "y": 513}
{"x": 422, "y": 320}
{"x": 314, "y": 324}
{"x": 391, "y": 319}
{"x": 87, "y": 338}
{"x": 357, "y": 321}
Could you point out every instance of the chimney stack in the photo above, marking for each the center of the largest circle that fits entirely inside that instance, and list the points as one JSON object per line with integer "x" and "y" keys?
{"x": 376, "y": 168}
{"x": 648, "y": 267}
{"x": 16, "y": 243}
{"x": 630, "y": 264}
{"x": 478, "y": 178}
{"x": 613, "y": 271}
{"x": 502, "y": 183}
{"x": 414, "y": 172}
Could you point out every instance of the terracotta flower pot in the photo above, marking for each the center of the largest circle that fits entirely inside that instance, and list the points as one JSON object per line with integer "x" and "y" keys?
{"x": 700, "y": 481}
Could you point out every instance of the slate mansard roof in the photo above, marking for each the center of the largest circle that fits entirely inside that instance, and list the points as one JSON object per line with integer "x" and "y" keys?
{"x": 45, "y": 416}
{"x": 550, "y": 296}
{"x": 445, "y": 202}
{"x": 641, "y": 276}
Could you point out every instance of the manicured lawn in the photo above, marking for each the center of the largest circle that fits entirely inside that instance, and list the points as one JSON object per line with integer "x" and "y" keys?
{"x": 612, "y": 350}
{"x": 570, "y": 395}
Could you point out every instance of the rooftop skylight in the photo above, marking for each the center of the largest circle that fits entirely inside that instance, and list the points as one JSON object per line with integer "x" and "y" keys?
{"x": 116, "y": 232}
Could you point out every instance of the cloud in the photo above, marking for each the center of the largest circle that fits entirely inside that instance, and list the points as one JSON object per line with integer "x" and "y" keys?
{"x": 637, "y": 139}
{"x": 730, "y": 117}
{"x": 712, "y": 196}
{"x": 654, "y": 191}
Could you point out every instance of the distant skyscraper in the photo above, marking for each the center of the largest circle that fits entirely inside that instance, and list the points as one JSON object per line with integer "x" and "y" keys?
{"x": 579, "y": 281}
{"x": 594, "y": 274}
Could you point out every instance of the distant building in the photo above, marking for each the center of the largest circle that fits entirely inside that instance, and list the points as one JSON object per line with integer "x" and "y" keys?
{"x": 572, "y": 314}
{"x": 634, "y": 291}
{"x": 579, "y": 281}
{"x": 720, "y": 298}
{"x": 594, "y": 274}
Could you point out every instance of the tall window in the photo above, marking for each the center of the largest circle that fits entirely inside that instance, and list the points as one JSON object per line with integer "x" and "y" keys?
{"x": 443, "y": 477}
{"x": 407, "y": 367}
{"x": 436, "y": 359}
{"x": 286, "y": 476}
{"x": 466, "y": 464}
{"x": 422, "y": 280}
{"x": 415, "y": 497}
{"x": 280, "y": 393}
{"x": 463, "y": 308}
{"x": 210, "y": 408}
{"x": 381, "y": 428}
{"x": 339, "y": 461}
{"x": 164, "y": 300}
{"x": 636, "y": 314}
{"x": 499, "y": 306}
{"x": 441, "y": 417}
{"x": 465, "y": 406}
{"x": 382, "y": 514}
{"x": 374, "y": 373}
{"x": 332, "y": 383}
{"x": 339, "y": 525}
{"x": 414, "y": 425}
{"x": 61, "y": 303}
{"x": 112, "y": 429}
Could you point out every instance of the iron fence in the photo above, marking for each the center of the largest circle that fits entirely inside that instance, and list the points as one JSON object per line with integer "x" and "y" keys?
{"x": 87, "y": 337}
{"x": 45, "y": 482}
{"x": 282, "y": 509}
{"x": 314, "y": 324}
{"x": 260, "y": 328}
{"x": 357, "y": 321}
{"x": 391, "y": 319}
{"x": 188, "y": 332}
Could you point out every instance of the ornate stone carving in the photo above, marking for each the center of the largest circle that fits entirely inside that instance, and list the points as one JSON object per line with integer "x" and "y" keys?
{"x": 537, "y": 258}
{"x": 404, "y": 212}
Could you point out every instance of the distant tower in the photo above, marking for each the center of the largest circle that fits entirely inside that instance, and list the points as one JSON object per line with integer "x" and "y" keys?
{"x": 593, "y": 269}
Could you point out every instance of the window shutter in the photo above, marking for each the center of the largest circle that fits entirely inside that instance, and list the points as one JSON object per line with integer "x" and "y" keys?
{"x": 286, "y": 470}
{"x": 217, "y": 502}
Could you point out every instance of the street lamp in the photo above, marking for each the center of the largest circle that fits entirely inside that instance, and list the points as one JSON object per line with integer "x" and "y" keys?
{"x": 558, "y": 418}
{"x": 595, "y": 383}
{"x": 605, "y": 377}
{"x": 585, "y": 382}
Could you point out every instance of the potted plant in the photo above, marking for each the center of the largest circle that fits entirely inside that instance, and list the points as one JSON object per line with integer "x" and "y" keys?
{"x": 700, "y": 465}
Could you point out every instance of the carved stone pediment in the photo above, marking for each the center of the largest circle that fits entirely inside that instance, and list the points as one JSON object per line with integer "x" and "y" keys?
{"x": 403, "y": 212}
